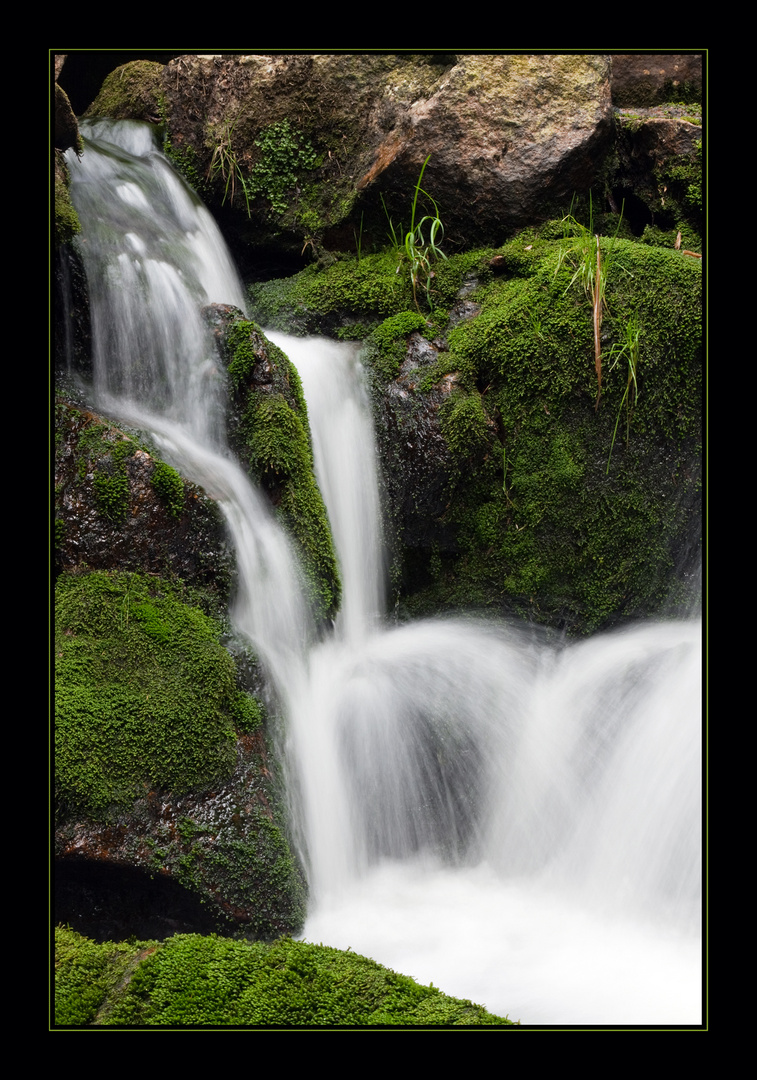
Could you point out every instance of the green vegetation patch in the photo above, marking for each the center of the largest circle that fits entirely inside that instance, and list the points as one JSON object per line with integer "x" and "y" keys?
{"x": 284, "y": 155}
{"x": 66, "y": 223}
{"x": 320, "y": 298}
{"x": 87, "y": 975}
{"x": 169, "y": 487}
{"x": 191, "y": 980}
{"x": 145, "y": 693}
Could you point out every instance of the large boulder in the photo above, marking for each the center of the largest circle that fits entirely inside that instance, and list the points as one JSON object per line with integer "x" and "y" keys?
{"x": 506, "y": 134}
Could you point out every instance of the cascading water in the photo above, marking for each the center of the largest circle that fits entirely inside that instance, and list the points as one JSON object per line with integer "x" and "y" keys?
{"x": 518, "y": 823}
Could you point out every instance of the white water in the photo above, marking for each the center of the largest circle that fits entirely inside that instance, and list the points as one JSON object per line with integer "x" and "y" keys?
{"x": 518, "y": 824}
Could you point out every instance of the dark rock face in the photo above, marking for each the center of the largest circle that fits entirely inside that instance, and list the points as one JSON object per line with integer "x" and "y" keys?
{"x": 649, "y": 78}
{"x": 210, "y": 861}
{"x": 112, "y": 517}
{"x": 417, "y": 461}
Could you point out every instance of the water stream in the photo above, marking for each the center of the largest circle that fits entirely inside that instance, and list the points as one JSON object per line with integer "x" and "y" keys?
{"x": 515, "y": 822}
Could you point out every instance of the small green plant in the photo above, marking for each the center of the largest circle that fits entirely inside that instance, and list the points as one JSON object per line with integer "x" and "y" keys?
{"x": 359, "y": 239}
{"x": 420, "y": 249}
{"x": 629, "y": 349}
{"x": 584, "y": 252}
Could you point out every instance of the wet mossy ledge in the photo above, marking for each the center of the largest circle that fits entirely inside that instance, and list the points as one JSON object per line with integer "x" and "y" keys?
{"x": 547, "y": 508}
{"x": 194, "y": 981}
{"x": 161, "y": 756}
{"x": 269, "y": 432}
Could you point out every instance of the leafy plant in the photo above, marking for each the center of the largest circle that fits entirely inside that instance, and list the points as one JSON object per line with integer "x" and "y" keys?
{"x": 421, "y": 249}
{"x": 629, "y": 349}
{"x": 585, "y": 253}
{"x": 284, "y": 154}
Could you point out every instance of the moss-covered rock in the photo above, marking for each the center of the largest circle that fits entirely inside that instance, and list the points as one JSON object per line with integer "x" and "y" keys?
{"x": 268, "y": 429}
{"x": 144, "y": 693}
{"x": 119, "y": 507}
{"x": 547, "y": 519}
{"x": 133, "y": 91}
{"x": 66, "y": 220}
{"x": 161, "y": 759}
{"x": 207, "y": 981}
{"x": 345, "y": 293}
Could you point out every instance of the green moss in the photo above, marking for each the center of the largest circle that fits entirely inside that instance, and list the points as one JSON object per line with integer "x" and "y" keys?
{"x": 66, "y": 222}
{"x": 464, "y": 425}
{"x": 145, "y": 693}
{"x": 102, "y": 451}
{"x": 247, "y": 712}
{"x": 193, "y": 980}
{"x": 169, "y": 487}
{"x": 270, "y": 433}
{"x": 331, "y": 298}
{"x": 318, "y": 298}
{"x": 133, "y": 91}
{"x": 387, "y": 344}
{"x": 111, "y": 482}
{"x": 87, "y": 975}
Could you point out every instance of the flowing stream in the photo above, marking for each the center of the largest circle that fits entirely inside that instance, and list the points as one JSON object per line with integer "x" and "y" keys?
{"x": 518, "y": 823}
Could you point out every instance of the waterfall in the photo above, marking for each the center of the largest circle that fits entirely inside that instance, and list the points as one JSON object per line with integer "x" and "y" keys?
{"x": 515, "y": 821}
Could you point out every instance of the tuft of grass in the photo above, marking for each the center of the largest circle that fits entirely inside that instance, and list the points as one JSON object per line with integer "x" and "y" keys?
{"x": 226, "y": 162}
{"x": 420, "y": 248}
{"x": 584, "y": 252}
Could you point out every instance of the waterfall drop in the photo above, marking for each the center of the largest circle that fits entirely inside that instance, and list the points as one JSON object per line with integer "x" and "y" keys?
{"x": 519, "y": 823}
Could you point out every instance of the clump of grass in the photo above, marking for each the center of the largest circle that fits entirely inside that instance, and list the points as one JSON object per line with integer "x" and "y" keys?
{"x": 226, "y": 162}
{"x": 584, "y": 252}
{"x": 420, "y": 248}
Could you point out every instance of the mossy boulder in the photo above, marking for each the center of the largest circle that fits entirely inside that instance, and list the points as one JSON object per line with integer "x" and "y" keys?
{"x": 134, "y": 91}
{"x": 507, "y": 489}
{"x": 161, "y": 760}
{"x": 207, "y": 981}
{"x": 298, "y": 148}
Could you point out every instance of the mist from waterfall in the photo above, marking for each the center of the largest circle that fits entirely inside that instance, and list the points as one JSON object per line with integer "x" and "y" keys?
{"x": 519, "y": 823}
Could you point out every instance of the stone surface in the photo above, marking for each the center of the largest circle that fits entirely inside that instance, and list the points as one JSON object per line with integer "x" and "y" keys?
{"x": 507, "y": 134}
{"x": 147, "y": 537}
{"x": 649, "y": 78}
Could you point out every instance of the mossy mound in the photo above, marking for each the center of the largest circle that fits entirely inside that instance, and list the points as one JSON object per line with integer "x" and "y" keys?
{"x": 133, "y": 91}
{"x": 346, "y": 293}
{"x": 575, "y": 514}
{"x": 268, "y": 429}
{"x": 145, "y": 693}
{"x": 190, "y": 980}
